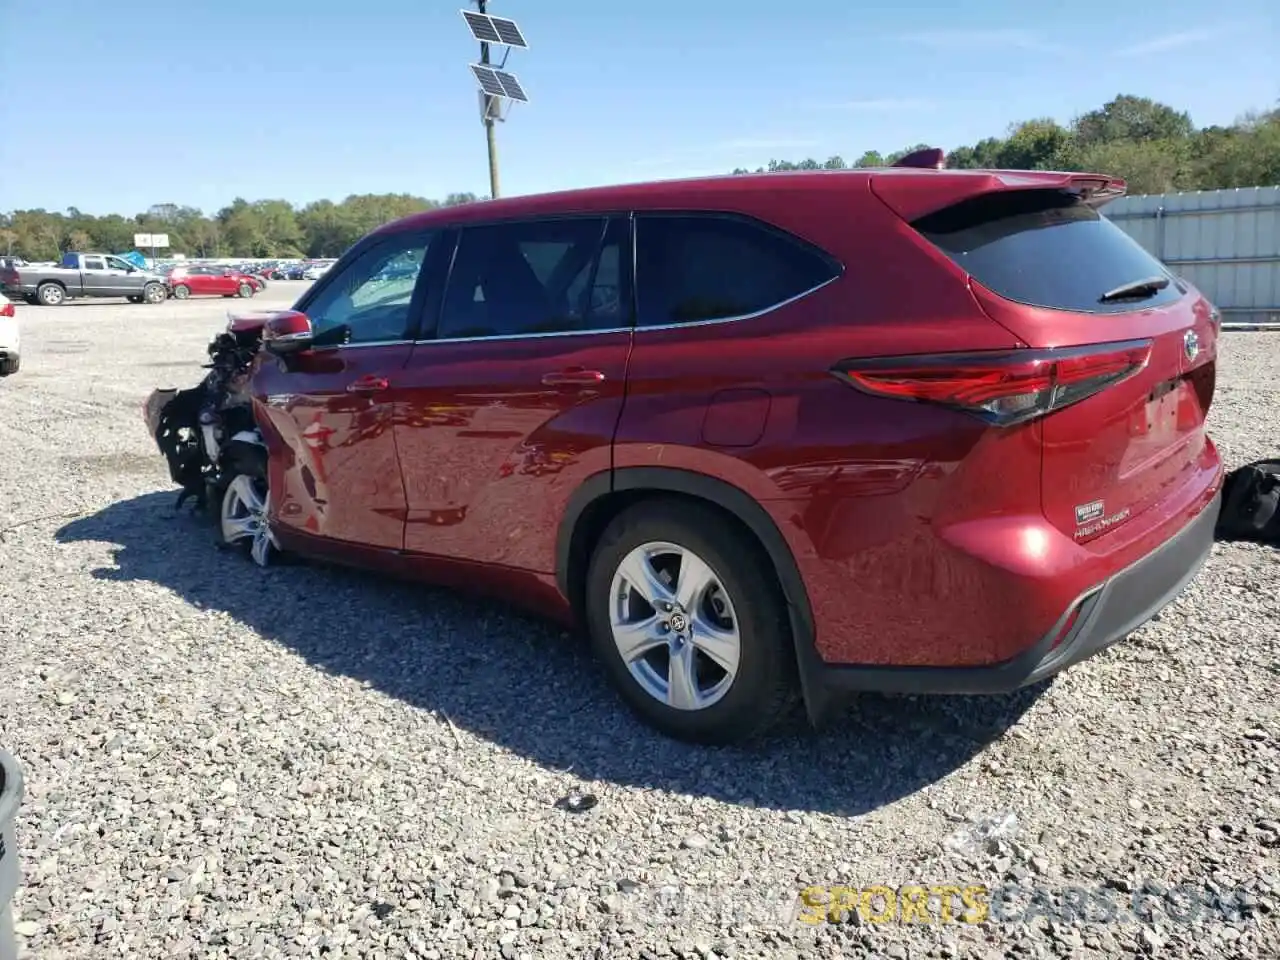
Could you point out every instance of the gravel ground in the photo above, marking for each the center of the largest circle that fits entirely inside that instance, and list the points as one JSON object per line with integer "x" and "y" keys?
{"x": 313, "y": 763}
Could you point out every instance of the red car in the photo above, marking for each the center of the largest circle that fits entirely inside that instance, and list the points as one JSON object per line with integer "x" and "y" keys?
{"x": 211, "y": 280}
{"x": 797, "y": 434}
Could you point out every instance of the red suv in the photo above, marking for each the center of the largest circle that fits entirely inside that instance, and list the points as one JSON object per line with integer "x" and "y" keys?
{"x": 904, "y": 430}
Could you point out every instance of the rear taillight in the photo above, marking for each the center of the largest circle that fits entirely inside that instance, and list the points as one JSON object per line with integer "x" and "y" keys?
{"x": 6, "y": 310}
{"x": 1002, "y": 388}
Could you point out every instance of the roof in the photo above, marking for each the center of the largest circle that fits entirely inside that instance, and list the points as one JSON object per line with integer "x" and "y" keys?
{"x": 729, "y": 190}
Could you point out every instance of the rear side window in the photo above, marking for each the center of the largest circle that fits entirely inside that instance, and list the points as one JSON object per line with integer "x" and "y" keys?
{"x": 1047, "y": 249}
{"x": 691, "y": 268}
{"x": 536, "y": 277}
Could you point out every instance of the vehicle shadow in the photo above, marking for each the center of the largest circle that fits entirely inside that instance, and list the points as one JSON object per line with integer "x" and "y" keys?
{"x": 530, "y": 689}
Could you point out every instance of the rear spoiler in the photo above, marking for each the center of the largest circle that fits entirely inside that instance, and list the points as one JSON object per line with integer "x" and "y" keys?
{"x": 914, "y": 197}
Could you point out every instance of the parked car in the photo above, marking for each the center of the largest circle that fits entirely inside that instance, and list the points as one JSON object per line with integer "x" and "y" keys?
{"x": 753, "y": 451}
{"x": 210, "y": 280}
{"x": 10, "y": 341}
{"x": 81, "y": 275}
{"x": 315, "y": 271}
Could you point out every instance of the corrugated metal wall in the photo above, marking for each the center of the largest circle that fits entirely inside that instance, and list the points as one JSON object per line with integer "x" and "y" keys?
{"x": 1226, "y": 242}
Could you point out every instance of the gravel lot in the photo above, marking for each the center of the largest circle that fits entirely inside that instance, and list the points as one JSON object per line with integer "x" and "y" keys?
{"x": 313, "y": 763}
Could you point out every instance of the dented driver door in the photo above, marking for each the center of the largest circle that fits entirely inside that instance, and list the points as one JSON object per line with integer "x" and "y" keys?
{"x": 327, "y": 413}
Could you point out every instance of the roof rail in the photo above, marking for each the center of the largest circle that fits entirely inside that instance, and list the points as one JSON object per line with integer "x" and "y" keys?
{"x": 930, "y": 157}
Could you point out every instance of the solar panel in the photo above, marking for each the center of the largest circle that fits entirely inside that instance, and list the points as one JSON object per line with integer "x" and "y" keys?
{"x": 482, "y": 27}
{"x": 511, "y": 86}
{"x": 487, "y": 77}
{"x": 509, "y": 32}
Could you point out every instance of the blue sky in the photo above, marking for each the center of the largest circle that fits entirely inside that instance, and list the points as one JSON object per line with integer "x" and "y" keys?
{"x": 203, "y": 101}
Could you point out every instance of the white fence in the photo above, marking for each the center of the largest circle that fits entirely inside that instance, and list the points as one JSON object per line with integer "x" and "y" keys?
{"x": 1226, "y": 242}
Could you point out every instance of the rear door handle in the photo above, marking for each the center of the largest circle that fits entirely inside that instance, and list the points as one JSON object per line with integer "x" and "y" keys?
{"x": 368, "y": 384}
{"x": 571, "y": 377}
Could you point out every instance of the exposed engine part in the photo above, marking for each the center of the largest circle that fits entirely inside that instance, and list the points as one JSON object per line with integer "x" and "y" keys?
{"x": 207, "y": 433}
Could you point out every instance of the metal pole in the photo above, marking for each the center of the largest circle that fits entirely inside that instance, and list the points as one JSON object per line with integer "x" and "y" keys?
{"x": 490, "y": 141}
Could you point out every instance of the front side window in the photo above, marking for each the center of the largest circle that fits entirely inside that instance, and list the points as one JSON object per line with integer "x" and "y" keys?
{"x": 371, "y": 300}
{"x": 94, "y": 263}
{"x": 534, "y": 277}
{"x": 692, "y": 268}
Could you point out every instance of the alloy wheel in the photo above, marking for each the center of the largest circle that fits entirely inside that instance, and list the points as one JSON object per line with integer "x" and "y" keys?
{"x": 244, "y": 518}
{"x": 674, "y": 626}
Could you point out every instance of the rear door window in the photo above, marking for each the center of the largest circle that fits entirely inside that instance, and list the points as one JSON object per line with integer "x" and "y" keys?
{"x": 699, "y": 267}
{"x": 1045, "y": 248}
{"x": 536, "y": 277}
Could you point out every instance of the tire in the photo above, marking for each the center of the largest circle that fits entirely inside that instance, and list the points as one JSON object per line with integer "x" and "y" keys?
{"x": 51, "y": 294}
{"x": 154, "y": 293}
{"x": 134, "y": 299}
{"x": 740, "y": 580}
{"x": 181, "y": 292}
{"x": 32, "y": 299}
{"x": 244, "y": 291}
{"x": 242, "y": 518}
{"x": 10, "y": 366}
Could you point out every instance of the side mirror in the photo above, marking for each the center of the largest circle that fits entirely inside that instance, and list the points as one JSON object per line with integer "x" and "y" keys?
{"x": 287, "y": 333}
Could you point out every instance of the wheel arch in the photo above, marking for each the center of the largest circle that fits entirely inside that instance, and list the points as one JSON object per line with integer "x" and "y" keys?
{"x": 603, "y": 496}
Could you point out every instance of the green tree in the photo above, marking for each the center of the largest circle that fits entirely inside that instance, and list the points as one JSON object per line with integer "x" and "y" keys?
{"x": 1152, "y": 146}
{"x": 1132, "y": 118}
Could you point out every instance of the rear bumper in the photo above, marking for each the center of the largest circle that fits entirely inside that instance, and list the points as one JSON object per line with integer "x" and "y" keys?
{"x": 1105, "y": 613}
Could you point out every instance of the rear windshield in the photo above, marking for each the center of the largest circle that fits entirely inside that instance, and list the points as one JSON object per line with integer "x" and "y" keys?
{"x": 1046, "y": 249}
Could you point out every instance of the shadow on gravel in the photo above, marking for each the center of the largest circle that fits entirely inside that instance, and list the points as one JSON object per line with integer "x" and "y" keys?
{"x": 525, "y": 687}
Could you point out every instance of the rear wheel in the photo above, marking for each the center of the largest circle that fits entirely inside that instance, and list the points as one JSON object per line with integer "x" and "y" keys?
{"x": 181, "y": 292}
{"x": 9, "y": 366}
{"x": 51, "y": 294}
{"x": 244, "y": 518}
{"x": 687, "y": 617}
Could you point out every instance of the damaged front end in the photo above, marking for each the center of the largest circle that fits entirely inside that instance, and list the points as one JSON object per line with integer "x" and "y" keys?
{"x": 207, "y": 433}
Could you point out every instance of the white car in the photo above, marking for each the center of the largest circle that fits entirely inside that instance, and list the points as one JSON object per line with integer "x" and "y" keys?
{"x": 9, "y": 345}
{"x": 316, "y": 272}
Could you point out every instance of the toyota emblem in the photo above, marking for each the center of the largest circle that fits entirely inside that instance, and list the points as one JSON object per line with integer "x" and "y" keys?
{"x": 1191, "y": 344}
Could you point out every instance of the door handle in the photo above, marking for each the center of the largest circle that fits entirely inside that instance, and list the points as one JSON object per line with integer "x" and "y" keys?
{"x": 368, "y": 384}
{"x": 572, "y": 377}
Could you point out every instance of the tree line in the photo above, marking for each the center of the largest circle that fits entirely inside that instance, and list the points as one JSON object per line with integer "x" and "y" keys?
{"x": 1156, "y": 148}
{"x": 262, "y": 228}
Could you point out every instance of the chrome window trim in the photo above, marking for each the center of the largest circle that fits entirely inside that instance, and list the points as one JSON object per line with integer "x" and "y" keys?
{"x": 743, "y": 316}
{"x": 357, "y": 346}
{"x": 633, "y": 329}
{"x": 527, "y": 336}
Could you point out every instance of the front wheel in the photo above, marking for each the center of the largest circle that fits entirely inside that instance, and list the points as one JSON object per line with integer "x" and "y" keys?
{"x": 685, "y": 612}
{"x": 244, "y": 291}
{"x": 245, "y": 506}
{"x": 154, "y": 293}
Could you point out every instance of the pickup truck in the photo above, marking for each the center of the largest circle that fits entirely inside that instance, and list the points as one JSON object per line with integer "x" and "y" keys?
{"x": 82, "y": 275}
